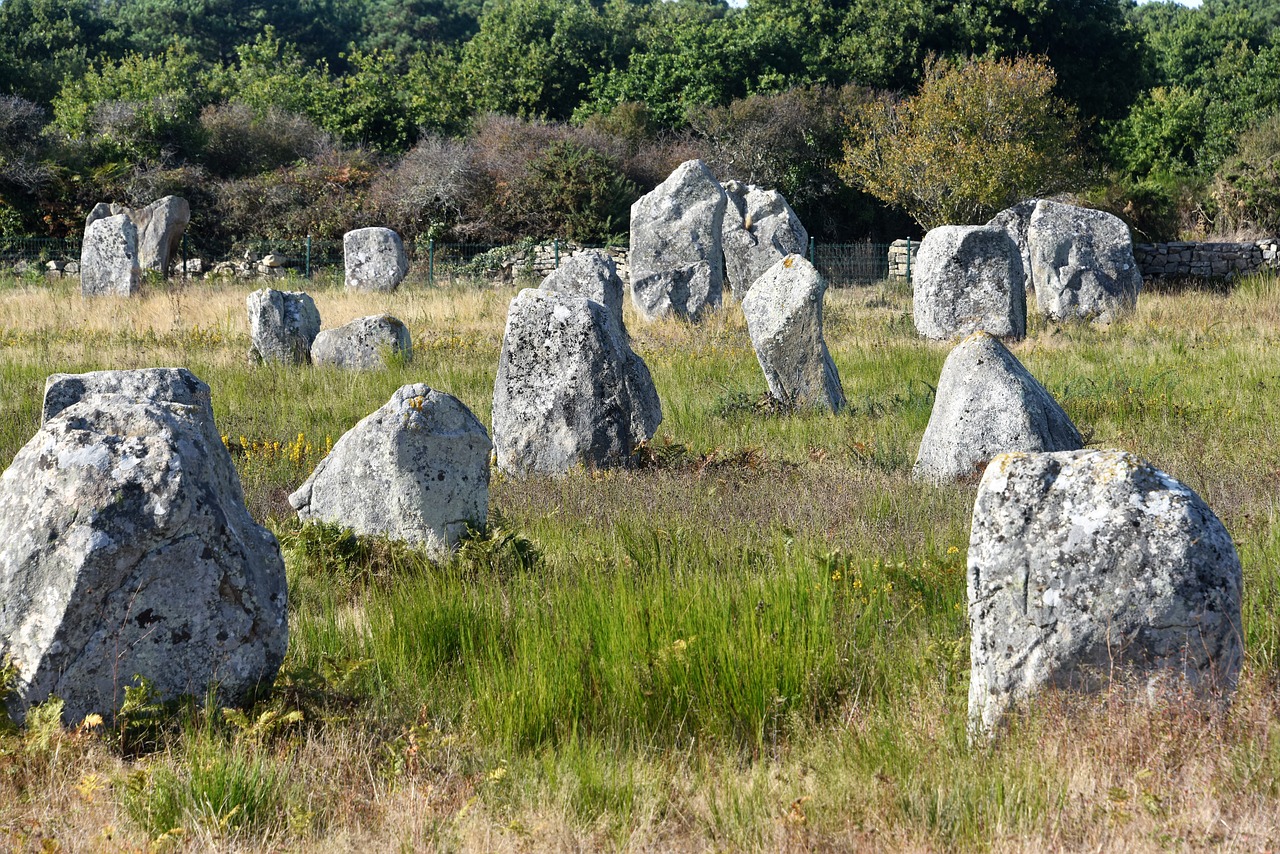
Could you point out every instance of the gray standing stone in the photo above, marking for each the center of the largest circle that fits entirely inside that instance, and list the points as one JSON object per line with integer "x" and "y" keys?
{"x": 969, "y": 278}
{"x": 677, "y": 257}
{"x": 365, "y": 343}
{"x": 1015, "y": 221}
{"x": 784, "y": 318}
{"x": 375, "y": 259}
{"x": 760, "y": 229}
{"x": 1088, "y": 568}
{"x": 160, "y": 226}
{"x": 175, "y": 385}
{"x": 1081, "y": 263}
{"x": 126, "y": 550}
{"x": 282, "y": 325}
{"x": 109, "y": 258}
{"x": 561, "y": 397}
{"x": 593, "y": 274}
{"x": 988, "y": 404}
{"x": 417, "y": 470}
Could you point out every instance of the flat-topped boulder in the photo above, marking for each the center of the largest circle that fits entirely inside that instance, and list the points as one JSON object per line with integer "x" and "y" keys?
{"x": 1093, "y": 569}
{"x": 784, "y": 318}
{"x": 416, "y": 470}
{"x": 969, "y": 278}
{"x": 677, "y": 256}
{"x": 1082, "y": 263}
{"x": 109, "y": 258}
{"x": 987, "y": 404}
{"x": 282, "y": 325}
{"x": 173, "y": 385}
{"x": 760, "y": 229}
{"x": 375, "y": 259}
{"x": 364, "y": 344}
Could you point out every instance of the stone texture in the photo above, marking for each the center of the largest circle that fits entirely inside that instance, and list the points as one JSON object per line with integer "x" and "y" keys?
{"x": 561, "y": 398}
{"x": 987, "y": 404}
{"x": 282, "y": 325}
{"x": 109, "y": 258}
{"x": 677, "y": 256}
{"x": 417, "y": 469}
{"x": 783, "y": 309}
{"x": 375, "y": 259}
{"x": 126, "y": 550}
{"x": 175, "y": 385}
{"x": 1088, "y": 568}
{"x": 760, "y": 229}
{"x": 1015, "y": 221}
{"x": 363, "y": 344}
{"x": 1082, "y": 263}
{"x": 593, "y": 275}
{"x": 969, "y": 278}
{"x": 160, "y": 227}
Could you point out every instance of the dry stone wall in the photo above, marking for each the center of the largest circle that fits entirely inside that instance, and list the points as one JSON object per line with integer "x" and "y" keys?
{"x": 1206, "y": 260}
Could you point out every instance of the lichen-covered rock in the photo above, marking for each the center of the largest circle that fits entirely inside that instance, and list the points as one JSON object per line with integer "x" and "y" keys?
{"x": 364, "y": 344}
{"x": 375, "y": 259}
{"x": 282, "y": 325}
{"x": 175, "y": 385}
{"x": 784, "y": 318}
{"x": 126, "y": 551}
{"x": 1015, "y": 221}
{"x": 561, "y": 398}
{"x": 760, "y": 229}
{"x": 1091, "y": 568}
{"x": 969, "y": 278}
{"x": 160, "y": 227}
{"x": 677, "y": 257}
{"x": 1082, "y": 263}
{"x": 987, "y": 404}
{"x": 417, "y": 470}
{"x": 593, "y": 274}
{"x": 109, "y": 258}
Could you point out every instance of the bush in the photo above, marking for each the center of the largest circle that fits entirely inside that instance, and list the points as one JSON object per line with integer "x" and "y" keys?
{"x": 1246, "y": 188}
{"x": 423, "y": 194}
{"x": 240, "y": 140}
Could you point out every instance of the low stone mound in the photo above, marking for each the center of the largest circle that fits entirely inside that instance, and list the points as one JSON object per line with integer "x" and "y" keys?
{"x": 175, "y": 385}
{"x": 1082, "y": 263}
{"x": 784, "y": 318}
{"x": 760, "y": 229}
{"x": 375, "y": 259}
{"x": 126, "y": 551}
{"x": 364, "y": 344}
{"x": 969, "y": 278}
{"x": 417, "y": 470}
{"x": 282, "y": 325}
{"x": 1092, "y": 568}
{"x": 109, "y": 258}
{"x": 987, "y": 404}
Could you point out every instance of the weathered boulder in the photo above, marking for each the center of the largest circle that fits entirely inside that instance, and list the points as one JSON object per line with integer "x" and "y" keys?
{"x": 282, "y": 325}
{"x": 375, "y": 259}
{"x": 677, "y": 258}
{"x": 1092, "y": 568}
{"x": 593, "y": 274}
{"x": 126, "y": 551}
{"x": 174, "y": 385}
{"x": 969, "y": 278}
{"x": 366, "y": 343}
{"x": 784, "y": 318}
{"x": 1015, "y": 221}
{"x": 160, "y": 226}
{"x": 417, "y": 470}
{"x": 987, "y": 404}
{"x": 760, "y": 229}
{"x": 1081, "y": 263}
{"x": 109, "y": 258}
{"x": 561, "y": 397}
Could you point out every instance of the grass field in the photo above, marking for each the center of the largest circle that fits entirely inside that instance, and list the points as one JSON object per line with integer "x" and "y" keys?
{"x": 755, "y": 641}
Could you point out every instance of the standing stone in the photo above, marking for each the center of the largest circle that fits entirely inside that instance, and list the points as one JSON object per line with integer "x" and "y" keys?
{"x": 375, "y": 259}
{"x": 365, "y": 344}
{"x": 1081, "y": 263}
{"x": 1015, "y": 221}
{"x": 109, "y": 258}
{"x": 282, "y": 325}
{"x": 160, "y": 226}
{"x": 677, "y": 258}
{"x": 561, "y": 397}
{"x": 988, "y": 404}
{"x": 417, "y": 470}
{"x": 1088, "y": 568}
{"x": 969, "y": 278}
{"x": 174, "y": 385}
{"x": 593, "y": 274}
{"x": 760, "y": 229}
{"x": 126, "y": 551}
{"x": 784, "y": 318}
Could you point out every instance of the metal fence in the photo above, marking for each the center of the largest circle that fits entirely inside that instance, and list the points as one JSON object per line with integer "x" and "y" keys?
{"x": 38, "y": 250}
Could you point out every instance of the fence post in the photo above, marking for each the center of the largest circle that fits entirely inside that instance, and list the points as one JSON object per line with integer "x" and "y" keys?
{"x": 307, "y": 268}
{"x": 811, "y": 252}
{"x": 908, "y": 260}
{"x": 556, "y": 245}
{"x": 431, "y": 262}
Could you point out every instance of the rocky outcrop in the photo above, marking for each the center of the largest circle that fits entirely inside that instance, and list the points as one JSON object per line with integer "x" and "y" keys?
{"x": 969, "y": 278}
{"x": 364, "y": 344}
{"x": 109, "y": 258}
{"x": 760, "y": 229}
{"x": 417, "y": 470}
{"x": 1082, "y": 263}
{"x": 375, "y": 259}
{"x": 282, "y": 325}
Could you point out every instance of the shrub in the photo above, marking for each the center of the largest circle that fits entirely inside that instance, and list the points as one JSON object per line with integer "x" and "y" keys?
{"x": 425, "y": 191}
{"x": 1246, "y": 188}
{"x": 240, "y": 140}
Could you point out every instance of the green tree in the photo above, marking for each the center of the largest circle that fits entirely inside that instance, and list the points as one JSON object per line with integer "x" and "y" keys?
{"x": 44, "y": 42}
{"x": 979, "y": 136}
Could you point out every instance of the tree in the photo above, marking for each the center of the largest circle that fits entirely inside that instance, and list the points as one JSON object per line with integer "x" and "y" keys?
{"x": 978, "y": 137}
